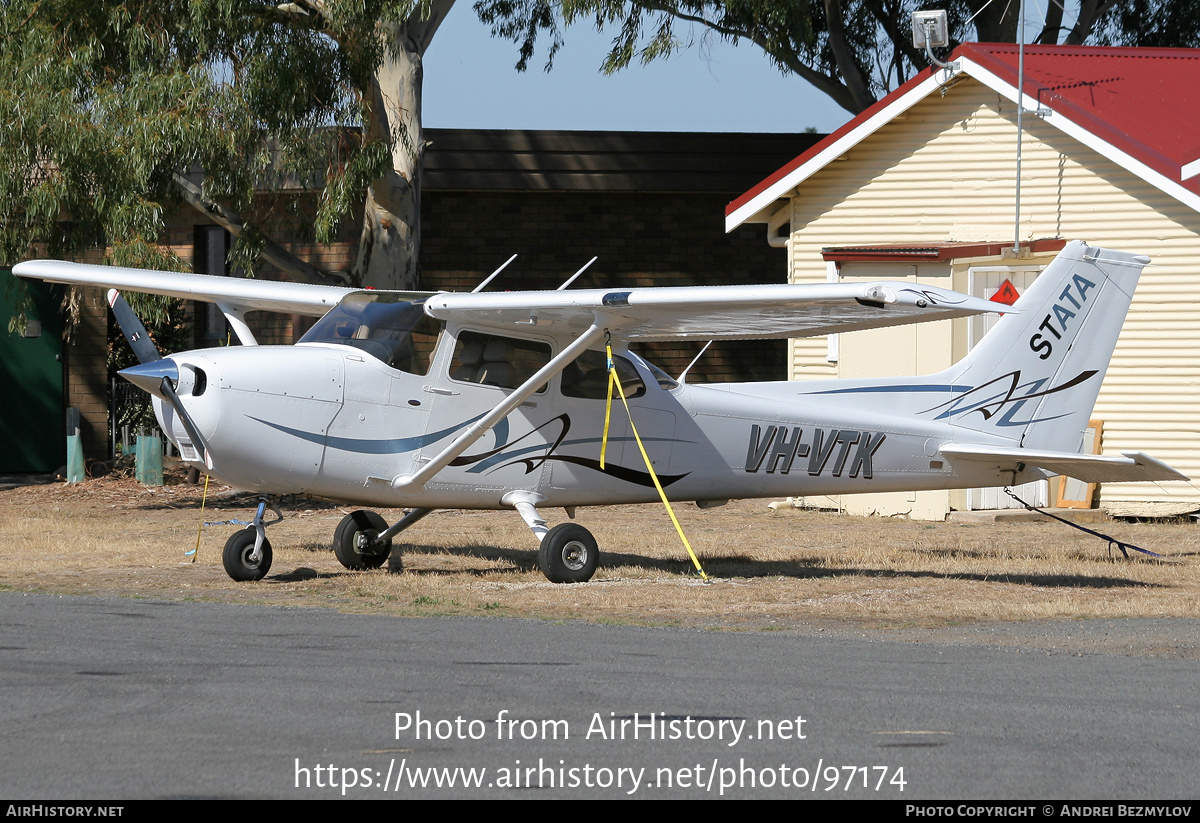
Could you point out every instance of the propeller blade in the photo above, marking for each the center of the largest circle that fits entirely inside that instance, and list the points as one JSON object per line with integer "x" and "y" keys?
{"x": 132, "y": 328}
{"x": 169, "y": 391}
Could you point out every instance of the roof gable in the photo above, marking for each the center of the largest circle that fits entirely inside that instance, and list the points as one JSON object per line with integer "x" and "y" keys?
{"x": 1139, "y": 108}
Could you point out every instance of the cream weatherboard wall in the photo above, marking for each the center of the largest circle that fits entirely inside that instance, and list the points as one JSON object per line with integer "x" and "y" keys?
{"x": 943, "y": 172}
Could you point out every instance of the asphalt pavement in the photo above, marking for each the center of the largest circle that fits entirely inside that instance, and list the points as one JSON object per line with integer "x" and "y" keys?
{"x": 109, "y": 698}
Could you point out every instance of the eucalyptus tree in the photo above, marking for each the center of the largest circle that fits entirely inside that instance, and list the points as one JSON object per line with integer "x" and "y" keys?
{"x": 855, "y": 51}
{"x": 113, "y": 113}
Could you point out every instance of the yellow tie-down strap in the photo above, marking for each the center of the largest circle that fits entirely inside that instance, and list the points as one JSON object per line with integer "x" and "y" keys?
{"x": 614, "y": 380}
{"x": 196, "y": 551}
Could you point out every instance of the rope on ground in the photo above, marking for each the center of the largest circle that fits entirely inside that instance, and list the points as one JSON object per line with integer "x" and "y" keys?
{"x": 1112, "y": 541}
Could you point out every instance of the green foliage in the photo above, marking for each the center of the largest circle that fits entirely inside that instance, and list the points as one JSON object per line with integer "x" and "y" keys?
{"x": 1153, "y": 23}
{"x": 102, "y": 103}
{"x": 853, "y": 50}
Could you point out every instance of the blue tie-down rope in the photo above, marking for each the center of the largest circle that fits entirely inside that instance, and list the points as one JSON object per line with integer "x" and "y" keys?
{"x": 1112, "y": 541}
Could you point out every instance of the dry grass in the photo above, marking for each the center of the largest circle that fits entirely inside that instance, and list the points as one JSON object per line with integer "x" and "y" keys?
{"x": 770, "y": 569}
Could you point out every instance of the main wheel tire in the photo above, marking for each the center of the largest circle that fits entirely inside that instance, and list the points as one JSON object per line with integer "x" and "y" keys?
{"x": 353, "y": 541}
{"x": 568, "y": 554}
{"x": 236, "y": 556}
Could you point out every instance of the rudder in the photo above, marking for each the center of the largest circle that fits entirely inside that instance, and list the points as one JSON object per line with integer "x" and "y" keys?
{"x": 1035, "y": 376}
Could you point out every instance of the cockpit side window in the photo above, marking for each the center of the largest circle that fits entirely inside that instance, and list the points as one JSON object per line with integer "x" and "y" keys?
{"x": 384, "y": 326}
{"x": 492, "y": 360}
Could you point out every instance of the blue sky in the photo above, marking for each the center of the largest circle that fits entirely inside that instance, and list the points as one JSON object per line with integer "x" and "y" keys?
{"x": 470, "y": 82}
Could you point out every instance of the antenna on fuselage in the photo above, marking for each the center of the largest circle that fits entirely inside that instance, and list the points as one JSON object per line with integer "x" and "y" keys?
{"x": 683, "y": 374}
{"x": 492, "y": 276}
{"x": 572, "y": 278}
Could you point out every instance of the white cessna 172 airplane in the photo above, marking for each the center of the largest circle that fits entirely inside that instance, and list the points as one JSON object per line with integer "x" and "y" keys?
{"x": 494, "y": 400}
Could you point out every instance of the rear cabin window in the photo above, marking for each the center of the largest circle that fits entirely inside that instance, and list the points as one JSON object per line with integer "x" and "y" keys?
{"x": 492, "y": 360}
{"x": 587, "y": 377}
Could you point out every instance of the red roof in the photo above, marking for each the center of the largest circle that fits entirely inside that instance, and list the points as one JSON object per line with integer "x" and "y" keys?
{"x": 1143, "y": 102}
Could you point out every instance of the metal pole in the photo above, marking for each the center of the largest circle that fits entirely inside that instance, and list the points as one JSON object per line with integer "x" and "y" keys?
{"x": 1020, "y": 113}
{"x": 112, "y": 420}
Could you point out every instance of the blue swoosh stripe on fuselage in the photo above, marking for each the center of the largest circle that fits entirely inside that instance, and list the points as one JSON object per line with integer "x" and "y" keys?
{"x": 398, "y": 445}
{"x": 891, "y": 389}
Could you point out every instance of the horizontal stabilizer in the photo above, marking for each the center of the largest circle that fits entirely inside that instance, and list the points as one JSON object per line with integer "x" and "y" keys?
{"x": 1090, "y": 468}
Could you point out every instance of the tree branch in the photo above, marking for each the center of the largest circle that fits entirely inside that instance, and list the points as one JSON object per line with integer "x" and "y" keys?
{"x": 1089, "y": 12}
{"x": 1052, "y": 26}
{"x": 900, "y": 39}
{"x": 298, "y": 13}
{"x": 852, "y": 73}
{"x": 838, "y": 92}
{"x": 274, "y": 253}
{"x": 422, "y": 31}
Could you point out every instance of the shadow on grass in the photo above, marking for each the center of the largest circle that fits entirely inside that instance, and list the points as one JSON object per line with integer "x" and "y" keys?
{"x": 246, "y": 501}
{"x": 523, "y": 561}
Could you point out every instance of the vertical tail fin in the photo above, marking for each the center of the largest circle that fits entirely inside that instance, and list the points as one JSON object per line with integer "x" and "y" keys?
{"x": 1035, "y": 376}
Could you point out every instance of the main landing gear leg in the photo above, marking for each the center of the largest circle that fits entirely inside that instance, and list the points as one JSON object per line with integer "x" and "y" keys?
{"x": 568, "y": 552}
{"x": 363, "y": 540}
{"x": 247, "y": 554}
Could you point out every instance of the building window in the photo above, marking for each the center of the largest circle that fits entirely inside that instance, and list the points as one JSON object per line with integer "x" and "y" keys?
{"x": 210, "y": 248}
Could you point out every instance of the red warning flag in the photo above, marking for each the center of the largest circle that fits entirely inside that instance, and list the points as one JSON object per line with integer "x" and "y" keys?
{"x": 1006, "y": 294}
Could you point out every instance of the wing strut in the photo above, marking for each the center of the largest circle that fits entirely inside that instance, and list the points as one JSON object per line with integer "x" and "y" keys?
{"x": 413, "y": 482}
{"x": 236, "y": 315}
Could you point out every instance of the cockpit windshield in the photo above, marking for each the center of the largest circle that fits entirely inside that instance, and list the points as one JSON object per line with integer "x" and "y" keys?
{"x": 385, "y": 326}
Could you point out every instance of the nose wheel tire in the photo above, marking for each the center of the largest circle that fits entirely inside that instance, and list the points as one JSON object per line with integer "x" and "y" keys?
{"x": 353, "y": 541}
{"x": 236, "y": 557}
{"x": 568, "y": 554}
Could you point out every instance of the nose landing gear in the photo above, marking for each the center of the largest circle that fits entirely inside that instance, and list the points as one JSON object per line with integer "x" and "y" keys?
{"x": 247, "y": 554}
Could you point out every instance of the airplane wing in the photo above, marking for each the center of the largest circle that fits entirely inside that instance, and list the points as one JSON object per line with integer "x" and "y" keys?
{"x": 689, "y": 312}
{"x": 238, "y": 293}
{"x": 708, "y": 312}
{"x": 1090, "y": 468}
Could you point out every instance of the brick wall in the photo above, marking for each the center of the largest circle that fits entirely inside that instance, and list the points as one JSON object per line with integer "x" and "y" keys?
{"x": 641, "y": 240}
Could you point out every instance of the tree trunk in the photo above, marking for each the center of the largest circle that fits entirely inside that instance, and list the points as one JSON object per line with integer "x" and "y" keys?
{"x": 1053, "y": 25}
{"x": 390, "y": 244}
{"x": 851, "y": 72}
{"x": 995, "y": 22}
{"x": 1089, "y": 12}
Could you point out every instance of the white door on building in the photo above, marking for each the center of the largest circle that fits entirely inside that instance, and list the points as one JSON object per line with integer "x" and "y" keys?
{"x": 986, "y": 282}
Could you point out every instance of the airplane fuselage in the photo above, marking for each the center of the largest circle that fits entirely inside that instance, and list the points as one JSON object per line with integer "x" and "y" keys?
{"x": 336, "y": 422}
